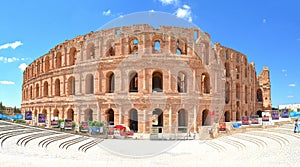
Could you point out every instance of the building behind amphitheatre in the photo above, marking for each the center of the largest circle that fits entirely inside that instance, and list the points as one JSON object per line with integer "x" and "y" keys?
{"x": 168, "y": 77}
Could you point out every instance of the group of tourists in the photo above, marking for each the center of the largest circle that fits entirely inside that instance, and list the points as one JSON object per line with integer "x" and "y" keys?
{"x": 296, "y": 126}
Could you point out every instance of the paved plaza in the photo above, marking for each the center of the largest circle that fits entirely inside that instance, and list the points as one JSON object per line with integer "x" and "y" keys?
{"x": 31, "y": 146}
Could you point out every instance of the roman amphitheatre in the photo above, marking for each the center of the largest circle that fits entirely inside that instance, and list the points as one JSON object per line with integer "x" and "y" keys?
{"x": 168, "y": 77}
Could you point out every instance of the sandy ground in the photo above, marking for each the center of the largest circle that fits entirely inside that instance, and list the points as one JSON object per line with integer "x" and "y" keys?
{"x": 268, "y": 147}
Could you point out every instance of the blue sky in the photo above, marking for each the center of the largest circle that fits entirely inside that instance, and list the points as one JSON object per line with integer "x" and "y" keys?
{"x": 268, "y": 32}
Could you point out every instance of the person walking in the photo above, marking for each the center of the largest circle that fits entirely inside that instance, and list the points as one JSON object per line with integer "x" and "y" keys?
{"x": 295, "y": 125}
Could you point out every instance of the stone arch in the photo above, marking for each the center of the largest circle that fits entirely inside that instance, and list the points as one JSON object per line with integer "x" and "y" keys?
{"x": 57, "y": 87}
{"x": 70, "y": 114}
{"x": 227, "y": 69}
{"x": 110, "y": 116}
{"x": 110, "y": 48}
{"x": 47, "y": 64}
{"x": 56, "y": 113}
{"x": 30, "y": 92}
{"x": 88, "y": 115}
{"x": 71, "y": 85}
{"x": 205, "y": 83}
{"x": 182, "y": 121}
{"x": 133, "y": 81}
{"x": 157, "y": 81}
{"x": 259, "y": 113}
{"x": 110, "y": 78}
{"x": 45, "y": 87}
{"x": 38, "y": 68}
{"x": 90, "y": 51}
{"x": 259, "y": 96}
{"x": 181, "y": 47}
{"x": 227, "y": 92}
{"x": 37, "y": 90}
{"x": 157, "y": 44}
{"x": 205, "y": 117}
{"x": 182, "y": 82}
{"x": 227, "y": 116}
{"x": 72, "y": 56}
{"x": 89, "y": 84}
{"x": 158, "y": 119}
{"x": 133, "y": 45}
{"x": 133, "y": 120}
{"x": 238, "y": 91}
{"x": 58, "y": 60}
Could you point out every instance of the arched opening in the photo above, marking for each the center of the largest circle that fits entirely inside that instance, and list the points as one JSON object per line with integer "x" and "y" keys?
{"x": 182, "y": 121}
{"x": 157, "y": 119}
{"x": 180, "y": 47}
{"x": 38, "y": 70}
{"x": 47, "y": 64}
{"x": 89, "y": 84}
{"x": 181, "y": 83}
{"x": 45, "y": 89}
{"x": 110, "y": 117}
{"x": 259, "y": 113}
{"x": 55, "y": 113}
{"x": 43, "y": 119}
{"x": 238, "y": 91}
{"x": 237, "y": 72}
{"x": 57, "y": 87}
{"x": 110, "y": 48}
{"x": 133, "y": 46}
{"x": 71, "y": 86}
{"x": 205, "y": 83}
{"x": 31, "y": 92}
{"x": 72, "y": 56}
{"x": 156, "y": 46}
{"x": 70, "y": 114}
{"x": 227, "y": 69}
{"x": 133, "y": 84}
{"x": 58, "y": 60}
{"x": 91, "y": 115}
{"x": 227, "y": 92}
{"x": 133, "y": 120}
{"x": 205, "y": 119}
{"x": 246, "y": 113}
{"x": 157, "y": 82}
{"x": 227, "y": 116}
{"x": 259, "y": 97}
{"x": 37, "y": 91}
{"x": 88, "y": 115}
{"x": 110, "y": 82}
{"x": 90, "y": 51}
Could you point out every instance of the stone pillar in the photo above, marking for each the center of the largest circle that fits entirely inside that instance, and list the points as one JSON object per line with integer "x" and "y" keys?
{"x": 141, "y": 121}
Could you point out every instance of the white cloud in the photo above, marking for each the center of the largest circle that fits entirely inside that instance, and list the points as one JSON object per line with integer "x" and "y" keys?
{"x": 106, "y": 13}
{"x": 22, "y": 67}
{"x": 292, "y": 85}
{"x": 264, "y": 21}
{"x": 10, "y": 59}
{"x": 7, "y": 82}
{"x": 151, "y": 10}
{"x": 185, "y": 13}
{"x": 169, "y": 2}
{"x": 290, "y": 97}
{"x": 13, "y": 45}
{"x": 283, "y": 70}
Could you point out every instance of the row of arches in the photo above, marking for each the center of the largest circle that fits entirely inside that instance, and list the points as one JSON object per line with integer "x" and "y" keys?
{"x": 228, "y": 92}
{"x": 44, "y": 64}
{"x": 157, "y": 85}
